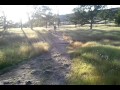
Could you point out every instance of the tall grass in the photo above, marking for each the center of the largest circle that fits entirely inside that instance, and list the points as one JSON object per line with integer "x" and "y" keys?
{"x": 14, "y": 47}
{"x": 95, "y": 55}
{"x": 12, "y": 55}
{"x": 95, "y": 64}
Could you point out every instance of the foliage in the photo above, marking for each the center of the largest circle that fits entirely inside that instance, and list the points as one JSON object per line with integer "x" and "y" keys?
{"x": 85, "y": 13}
{"x": 42, "y": 16}
{"x": 117, "y": 18}
{"x": 104, "y": 15}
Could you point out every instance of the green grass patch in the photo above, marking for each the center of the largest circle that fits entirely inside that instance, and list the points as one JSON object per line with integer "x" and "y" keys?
{"x": 97, "y": 35}
{"x": 96, "y": 60}
{"x": 95, "y": 65}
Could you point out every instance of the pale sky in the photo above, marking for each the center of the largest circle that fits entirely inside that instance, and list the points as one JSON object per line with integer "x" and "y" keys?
{"x": 17, "y": 12}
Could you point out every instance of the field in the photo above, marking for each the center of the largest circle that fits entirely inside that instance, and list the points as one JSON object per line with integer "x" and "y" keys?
{"x": 95, "y": 54}
{"x": 18, "y": 45}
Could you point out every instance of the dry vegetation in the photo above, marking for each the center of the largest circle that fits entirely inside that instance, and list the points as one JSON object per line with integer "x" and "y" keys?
{"x": 95, "y": 55}
{"x": 19, "y": 45}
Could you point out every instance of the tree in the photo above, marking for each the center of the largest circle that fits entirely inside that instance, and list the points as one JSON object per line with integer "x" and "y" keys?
{"x": 9, "y": 24}
{"x": 117, "y": 18}
{"x": 78, "y": 17}
{"x": 52, "y": 20}
{"x": 4, "y": 21}
{"x": 108, "y": 14}
{"x": 112, "y": 14}
{"x": 33, "y": 17}
{"x": 104, "y": 14}
{"x": 46, "y": 14}
{"x": 58, "y": 20}
{"x": 42, "y": 15}
{"x": 73, "y": 18}
{"x": 30, "y": 21}
{"x": 91, "y": 10}
{"x": 81, "y": 16}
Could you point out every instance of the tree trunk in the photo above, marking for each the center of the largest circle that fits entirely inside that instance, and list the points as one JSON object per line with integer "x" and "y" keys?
{"x": 4, "y": 25}
{"x": 46, "y": 24}
{"x": 105, "y": 22}
{"x": 30, "y": 22}
{"x": 75, "y": 25}
{"x": 58, "y": 25}
{"x": 91, "y": 24}
{"x": 31, "y": 26}
{"x": 21, "y": 25}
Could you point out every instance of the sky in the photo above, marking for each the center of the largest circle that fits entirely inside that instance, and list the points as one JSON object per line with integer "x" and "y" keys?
{"x": 17, "y": 12}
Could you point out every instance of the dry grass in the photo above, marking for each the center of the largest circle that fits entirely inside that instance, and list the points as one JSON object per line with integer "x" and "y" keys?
{"x": 17, "y": 45}
{"x": 95, "y": 55}
{"x": 76, "y": 44}
{"x": 90, "y": 44}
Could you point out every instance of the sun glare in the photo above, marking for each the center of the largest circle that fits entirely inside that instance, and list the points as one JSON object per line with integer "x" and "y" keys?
{"x": 18, "y": 12}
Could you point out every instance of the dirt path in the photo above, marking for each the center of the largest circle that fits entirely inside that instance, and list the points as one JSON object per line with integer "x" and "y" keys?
{"x": 48, "y": 69}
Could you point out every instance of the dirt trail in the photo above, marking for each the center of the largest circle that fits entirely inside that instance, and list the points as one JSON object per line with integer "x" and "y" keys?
{"x": 48, "y": 69}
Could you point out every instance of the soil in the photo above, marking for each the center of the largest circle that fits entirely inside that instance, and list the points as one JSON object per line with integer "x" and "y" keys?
{"x": 50, "y": 68}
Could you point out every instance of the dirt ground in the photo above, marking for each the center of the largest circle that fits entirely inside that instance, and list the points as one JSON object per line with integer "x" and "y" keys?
{"x": 50, "y": 68}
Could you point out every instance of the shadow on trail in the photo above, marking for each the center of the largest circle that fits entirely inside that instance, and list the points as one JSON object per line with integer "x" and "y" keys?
{"x": 50, "y": 68}
{"x": 53, "y": 67}
{"x": 40, "y": 35}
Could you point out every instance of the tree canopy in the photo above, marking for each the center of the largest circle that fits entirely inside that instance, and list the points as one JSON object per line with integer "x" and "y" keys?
{"x": 86, "y": 13}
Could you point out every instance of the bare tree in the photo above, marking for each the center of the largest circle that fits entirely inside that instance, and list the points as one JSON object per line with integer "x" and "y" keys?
{"x": 30, "y": 21}
{"x": 42, "y": 15}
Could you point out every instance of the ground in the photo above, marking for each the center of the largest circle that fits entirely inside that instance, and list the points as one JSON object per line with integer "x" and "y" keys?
{"x": 77, "y": 56}
{"x": 49, "y": 68}
{"x": 95, "y": 55}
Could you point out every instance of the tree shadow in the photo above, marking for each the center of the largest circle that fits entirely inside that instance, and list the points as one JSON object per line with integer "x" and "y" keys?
{"x": 54, "y": 68}
{"x": 13, "y": 38}
{"x": 93, "y": 35}
{"x": 47, "y": 69}
{"x": 40, "y": 35}
{"x": 45, "y": 37}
